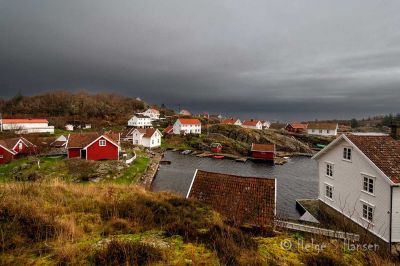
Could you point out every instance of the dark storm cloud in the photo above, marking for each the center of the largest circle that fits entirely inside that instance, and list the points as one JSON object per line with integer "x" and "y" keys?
{"x": 265, "y": 59}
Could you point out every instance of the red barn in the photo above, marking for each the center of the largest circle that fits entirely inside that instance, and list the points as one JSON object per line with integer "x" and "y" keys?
{"x": 93, "y": 146}
{"x": 296, "y": 127}
{"x": 6, "y": 154}
{"x": 263, "y": 151}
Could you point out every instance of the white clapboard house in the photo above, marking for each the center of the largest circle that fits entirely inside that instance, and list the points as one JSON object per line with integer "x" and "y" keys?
{"x": 146, "y": 137}
{"x": 140, "y": 121}
{"x": 187, "y": 126}
{"x": 323, "y": 129}
{"x": 26, "y": 126}
{"x": 154, "y": 114}
{"x": 359, "y": 177}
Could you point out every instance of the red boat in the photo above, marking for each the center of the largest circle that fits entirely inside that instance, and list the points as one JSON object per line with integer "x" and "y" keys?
{"x": 216, "y": 147}
{"x": 218, "y": 157}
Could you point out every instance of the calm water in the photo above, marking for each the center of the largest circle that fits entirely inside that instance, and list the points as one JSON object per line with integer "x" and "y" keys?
{"x": 297, "y": 179}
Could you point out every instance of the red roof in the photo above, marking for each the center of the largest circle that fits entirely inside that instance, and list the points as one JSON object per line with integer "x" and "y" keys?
{"x": 26, "y": 121}
{"x": 148, "y": 132}
{"x": 168, "y": 130}
{"x": 10, "y": 143}
{"x": 262, "y": 147}
{"x": 243, "y": 200}
{"x": 250, "y": 122}
{"x": 383, "y": 151}
{"x": 229, "y": 121}
{"x": 189, "y": 121}
{"x": 299, "y": 125}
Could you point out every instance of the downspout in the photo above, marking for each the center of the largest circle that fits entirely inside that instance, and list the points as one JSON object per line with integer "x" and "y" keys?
{"x": 390, "y": 219}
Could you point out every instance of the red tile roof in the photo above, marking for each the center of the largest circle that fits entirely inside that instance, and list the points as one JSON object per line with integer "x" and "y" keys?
{"x": 168, "y": 129}
{"x": 383, "y": 151}
{"x": 299, "y": 125}
{"x": 243, "y": 200}
{"x": 20, "y": 121}
{"x": 262, "y": 147}
{"x": 189, "y": 121}
{"x": 250, "y": 122}
{"x": 10, "y": 143}
{"x": 148, "y": 132}
{"x": 229, "y": 121}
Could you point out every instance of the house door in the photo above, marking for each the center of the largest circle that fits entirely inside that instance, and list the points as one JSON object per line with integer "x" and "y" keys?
{"x": 83, "y": 154}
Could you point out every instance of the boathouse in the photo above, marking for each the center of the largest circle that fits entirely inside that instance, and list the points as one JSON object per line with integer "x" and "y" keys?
{"x": 263, "y": 151}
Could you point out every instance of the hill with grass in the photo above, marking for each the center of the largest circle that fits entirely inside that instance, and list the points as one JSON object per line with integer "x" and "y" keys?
{"x": 59, "y": 223}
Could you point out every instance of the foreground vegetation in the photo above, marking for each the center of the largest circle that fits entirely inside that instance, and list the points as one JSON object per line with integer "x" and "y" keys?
{"x": 59, "y": 223}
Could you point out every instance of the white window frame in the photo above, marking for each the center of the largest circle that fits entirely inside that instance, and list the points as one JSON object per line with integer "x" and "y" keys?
{"x": 345, "y": 154}
{"x": 102, "y": 143}
{"x": 327, "y": 170}
{"x": 370, "y": 178}
{"x": 1, "y": 156}
{"x": 326, "y": 191}
{"x": 369, "y": 207}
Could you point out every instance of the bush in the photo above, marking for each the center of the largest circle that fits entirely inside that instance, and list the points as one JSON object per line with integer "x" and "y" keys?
{"x": 83, "y": 170}
{"x": 322, "y": 260}
{"x": 118, "y": 252}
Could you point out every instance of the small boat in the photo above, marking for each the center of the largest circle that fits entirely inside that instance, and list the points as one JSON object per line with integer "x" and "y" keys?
{"x": 218, "y": 157}
{"x": 186, "y": 152}
{"x": 286, "y": 158}
{"x": 216, "y": 147}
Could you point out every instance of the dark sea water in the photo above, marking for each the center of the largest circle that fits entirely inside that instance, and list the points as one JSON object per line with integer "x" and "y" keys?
{"x": 297, "y": 179}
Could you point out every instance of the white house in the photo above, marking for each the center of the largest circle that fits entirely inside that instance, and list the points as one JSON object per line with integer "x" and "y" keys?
{"x": 185, "y": 113}
{"x": 139, "y": 120}
{"x": 232, "y": 121}
{"x": 152, "y": 113}
{"x": 26, "y": 126}
{"x": 323, "y": 129}
{"x": 146, "y": 137}
{"x": 253, "y": 124}
{"x": 265, "y": 124}
{"x": 359, "y": 176}
{"x": 187, "y": 126}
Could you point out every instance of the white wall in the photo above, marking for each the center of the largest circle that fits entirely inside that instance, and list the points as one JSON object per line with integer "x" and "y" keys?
{"x": 258, "y": 126}
{"x": 396, "y": 215}
{"x": 154, "y": 141}
{"x": 189, "y": 129}
{"x": 348, "y": 195}
{"x": 325, "y": 132}
{"x": 139, "y": 122}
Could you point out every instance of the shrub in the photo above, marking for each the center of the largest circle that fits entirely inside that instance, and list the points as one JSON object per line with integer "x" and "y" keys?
{"x": 83, "y": 170}
{"x": 118, "y": 226}
{"x": 118, "y": 252}
{"x": 322, "y": 259}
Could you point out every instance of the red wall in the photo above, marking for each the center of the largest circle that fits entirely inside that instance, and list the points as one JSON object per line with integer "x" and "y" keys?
{"x": 96, "y": 153}
{"x": 263, "y": 155}
{"x": 74, "y": 153}
{"x": 25, "y": 150}
{"x": 7, "y": 156}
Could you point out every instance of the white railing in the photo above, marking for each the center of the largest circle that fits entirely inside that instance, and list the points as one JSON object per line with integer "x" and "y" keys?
{"x": 318, "y": 230}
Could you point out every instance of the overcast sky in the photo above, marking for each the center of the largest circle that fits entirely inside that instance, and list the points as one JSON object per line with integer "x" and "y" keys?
{"x": 278, "y": 59}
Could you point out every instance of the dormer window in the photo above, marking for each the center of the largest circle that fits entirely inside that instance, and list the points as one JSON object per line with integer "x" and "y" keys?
{"x": 347, "y": 154}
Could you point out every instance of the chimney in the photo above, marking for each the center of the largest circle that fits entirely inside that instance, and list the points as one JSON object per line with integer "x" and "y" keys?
{"x": 395, "y": 131}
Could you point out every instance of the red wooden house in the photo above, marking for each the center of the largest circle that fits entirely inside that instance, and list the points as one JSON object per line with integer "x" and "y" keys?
{"x": 15, "y": 147}
{"x": 296, "y": 127}
{"x": 263, "y": 151}
{"x": 93, "y": 146}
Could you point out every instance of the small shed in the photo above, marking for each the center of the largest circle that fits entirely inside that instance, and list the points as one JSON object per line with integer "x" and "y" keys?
{"x": 263, "y": 151}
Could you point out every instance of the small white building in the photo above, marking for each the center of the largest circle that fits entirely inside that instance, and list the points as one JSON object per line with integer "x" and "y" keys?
{"x": 253, "y": 124}
{"x": 139, "y": 120}
{"x": 185, "y": 113}
{"x": 265, "y": 124}
{"x": 146, "y": 137}
{"x": 152, "y": 113}
{"x": 26, "y": 126}
{"x": 187, "y": 126}
{"x": 323, "y": 129}
{"x": 359, "y": 177}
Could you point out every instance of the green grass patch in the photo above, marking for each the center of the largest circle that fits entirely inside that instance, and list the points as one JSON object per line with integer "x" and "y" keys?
{"x": 134, "y": 171}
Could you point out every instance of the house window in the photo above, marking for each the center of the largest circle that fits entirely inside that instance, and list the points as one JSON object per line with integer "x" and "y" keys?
{"x": 328, "y": 191}
{"x": 320, "y": 131}
{"x": 347, "y": 154}
{"x": 328, "y": 131}
{"x": 329, "y": 170}
{"x": 1, "y": 156}
{"x": 102, "y": 143}
{"x": 136, "y": 141}
{"x": 368, "y": 184}
{"x": 368, "y": 212}
{"x": 20, "y": 146}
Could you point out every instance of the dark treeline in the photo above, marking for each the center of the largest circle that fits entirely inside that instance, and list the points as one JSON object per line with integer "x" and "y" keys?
{"x": 64, "y": 104}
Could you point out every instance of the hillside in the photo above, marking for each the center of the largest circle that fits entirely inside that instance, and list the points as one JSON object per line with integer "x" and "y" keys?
{"x": 56, "y": 223}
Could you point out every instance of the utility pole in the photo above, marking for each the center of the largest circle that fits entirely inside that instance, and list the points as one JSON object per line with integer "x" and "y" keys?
{"x": 1, "y": 122}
